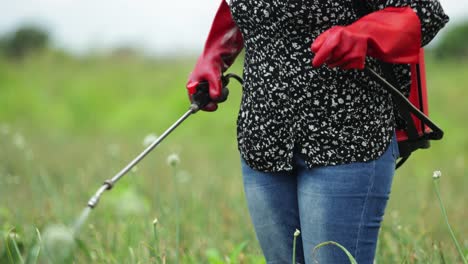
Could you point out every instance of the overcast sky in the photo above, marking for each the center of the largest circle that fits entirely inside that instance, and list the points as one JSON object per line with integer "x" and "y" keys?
{"x": 160, "y": 26}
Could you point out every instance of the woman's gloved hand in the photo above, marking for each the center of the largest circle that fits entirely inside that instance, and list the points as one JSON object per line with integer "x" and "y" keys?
{"x": 392, "y": 34}
{"x": 222, "y": 46}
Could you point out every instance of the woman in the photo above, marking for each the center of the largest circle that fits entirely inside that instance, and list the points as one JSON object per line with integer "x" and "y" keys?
{"x": 317, "y": 140}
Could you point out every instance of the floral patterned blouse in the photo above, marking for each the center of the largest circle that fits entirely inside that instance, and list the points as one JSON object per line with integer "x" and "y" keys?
{"x": 330, "y": 116}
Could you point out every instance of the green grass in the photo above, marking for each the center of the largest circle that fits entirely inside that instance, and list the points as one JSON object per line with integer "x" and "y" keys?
{"x": 68, "y": 124}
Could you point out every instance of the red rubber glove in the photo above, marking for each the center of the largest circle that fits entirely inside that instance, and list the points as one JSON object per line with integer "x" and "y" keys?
{"x": 222, "y": 46}
{"x": 392, "y": 34}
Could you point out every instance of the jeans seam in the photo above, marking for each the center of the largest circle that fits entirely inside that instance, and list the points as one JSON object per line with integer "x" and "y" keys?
{"x": 371, "y": 184}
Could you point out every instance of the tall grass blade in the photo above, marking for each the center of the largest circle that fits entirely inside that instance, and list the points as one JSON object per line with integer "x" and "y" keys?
{"x": 8, "y": 251}
{"x": 173, "y": 161}
{"x": 82, "y": 246}
{"x": 237, "y": 250}
{"x": 441, "y": 255}
{"x": 213, "y": 256}
{"x": 11, "y": 241}
{"x": 154, "y": 249}
{"x": 350, "y": 257}
{"x": 35, "y": 251}
{"x": 296, "y": 234}
{"x": 444, "y": 213}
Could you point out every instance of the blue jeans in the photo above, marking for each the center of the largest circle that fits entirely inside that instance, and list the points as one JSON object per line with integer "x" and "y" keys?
{"x": 343, "y": 203}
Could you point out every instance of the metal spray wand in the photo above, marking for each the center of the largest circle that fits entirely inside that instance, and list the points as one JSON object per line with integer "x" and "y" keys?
{"x": 199, "y": 100}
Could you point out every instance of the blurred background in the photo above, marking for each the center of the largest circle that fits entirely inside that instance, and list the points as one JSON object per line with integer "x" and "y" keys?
{"x": 84, "y": 85}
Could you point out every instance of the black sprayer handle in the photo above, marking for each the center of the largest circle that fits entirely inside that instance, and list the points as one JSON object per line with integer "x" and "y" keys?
{"x": 437, "y": 132}
{"x": 202, "y": 95}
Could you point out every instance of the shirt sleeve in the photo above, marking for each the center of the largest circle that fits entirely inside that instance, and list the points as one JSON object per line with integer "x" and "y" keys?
{"x": 430, "y": 13}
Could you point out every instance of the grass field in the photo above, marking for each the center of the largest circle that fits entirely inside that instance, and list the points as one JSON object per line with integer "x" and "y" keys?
{"x": 67, "y": 124}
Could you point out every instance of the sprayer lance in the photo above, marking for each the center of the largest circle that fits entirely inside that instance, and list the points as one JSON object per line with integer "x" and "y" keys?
{"x": 199, "y": 100}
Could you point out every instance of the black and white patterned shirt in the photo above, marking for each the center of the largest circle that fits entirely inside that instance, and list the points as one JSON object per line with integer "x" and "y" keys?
{"x": 331, "y": 116}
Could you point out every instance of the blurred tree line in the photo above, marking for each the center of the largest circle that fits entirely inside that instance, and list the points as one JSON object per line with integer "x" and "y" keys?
{"x": 30, "y": 39}
{"x": 23, "y": 41}
{"x": 454, "y": 43}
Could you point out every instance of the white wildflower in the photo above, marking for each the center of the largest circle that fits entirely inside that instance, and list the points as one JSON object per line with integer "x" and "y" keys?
{"x": 14, "y": 236}
{"x": 155, "y": 221}
{"x": 436, "y": 174}
{"x": 173, "y": 159}
{"x": 297, "y": 233}
{"x": 149, "y": 139}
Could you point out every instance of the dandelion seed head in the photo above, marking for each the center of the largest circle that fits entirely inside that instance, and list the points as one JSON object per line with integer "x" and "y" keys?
{"x": 173, "y": 159}
{"x": 58, "y": 242}
{"x": 436, "y": 174}
{"x": 14, "y": 235}
{"x": 149, "y": 139}
{"x": 297, "y": 233}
